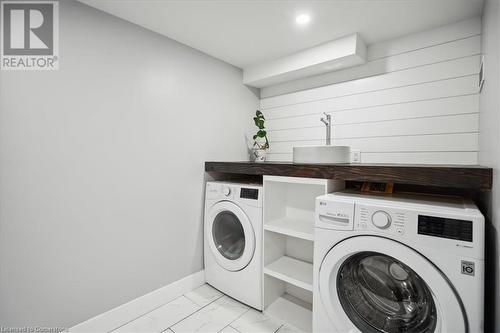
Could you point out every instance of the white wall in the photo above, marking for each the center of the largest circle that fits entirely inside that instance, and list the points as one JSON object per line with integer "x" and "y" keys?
{"x": 489, "y": 143}
{"x": 102, "y": 167}
{"x": 415, "y": 101}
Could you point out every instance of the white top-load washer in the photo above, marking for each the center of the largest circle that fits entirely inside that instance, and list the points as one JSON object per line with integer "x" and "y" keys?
{"x": 233, "y": 240}
{"x": 398, "y": 263}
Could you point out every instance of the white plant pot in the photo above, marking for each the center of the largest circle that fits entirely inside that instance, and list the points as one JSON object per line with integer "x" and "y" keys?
{"x": 259, "y": 155}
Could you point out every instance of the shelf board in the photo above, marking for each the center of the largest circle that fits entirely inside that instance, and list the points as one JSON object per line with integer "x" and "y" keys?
{"x": 292, "y": 311}
{"x": 452, "y": 176}
{"x": 299, "y": 228}
{"x": 293, "y": 271}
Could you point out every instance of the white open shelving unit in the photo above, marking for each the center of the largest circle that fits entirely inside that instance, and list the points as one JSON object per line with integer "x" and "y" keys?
{"x": 289, "y": 204}
{"x": 300, "y": 228}
{"x": 293, "y": 271}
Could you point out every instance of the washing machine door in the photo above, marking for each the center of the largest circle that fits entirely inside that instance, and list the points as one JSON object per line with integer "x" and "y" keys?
{"x": 230, "y": 236}
{"x": 374, "y": 284}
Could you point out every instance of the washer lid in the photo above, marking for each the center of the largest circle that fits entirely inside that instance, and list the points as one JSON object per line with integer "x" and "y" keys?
{"x": 230, "y": 236}
{"x": 374, "y": 284}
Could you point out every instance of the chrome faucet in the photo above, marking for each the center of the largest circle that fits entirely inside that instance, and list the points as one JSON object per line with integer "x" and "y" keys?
{"x": 328, "y": 123}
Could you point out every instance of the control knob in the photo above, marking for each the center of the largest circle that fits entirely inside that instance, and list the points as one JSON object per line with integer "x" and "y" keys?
{"x": 226, "y": 191}
{"x": 381, "y": 219}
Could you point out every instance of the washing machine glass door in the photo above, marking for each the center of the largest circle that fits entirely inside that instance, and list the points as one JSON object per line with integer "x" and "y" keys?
{"x": 230, "y": 236}
{"x": 374, "y": 284}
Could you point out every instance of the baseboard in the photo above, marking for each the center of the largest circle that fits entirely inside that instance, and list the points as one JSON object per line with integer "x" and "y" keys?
{"x": 118, "y": 316}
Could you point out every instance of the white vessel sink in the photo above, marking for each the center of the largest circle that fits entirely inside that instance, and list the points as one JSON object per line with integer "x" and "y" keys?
{"x": 321, "y": 154}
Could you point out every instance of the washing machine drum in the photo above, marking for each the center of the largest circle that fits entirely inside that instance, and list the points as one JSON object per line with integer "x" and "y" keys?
{"x": 380, "y": 293}
{"x": 230, "y": 236}
{"x": 374, "y": 284}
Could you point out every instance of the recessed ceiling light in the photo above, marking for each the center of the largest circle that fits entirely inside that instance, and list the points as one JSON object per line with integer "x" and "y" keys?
{"x": 302, "y": 19}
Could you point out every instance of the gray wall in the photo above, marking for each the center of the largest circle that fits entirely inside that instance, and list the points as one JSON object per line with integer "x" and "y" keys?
{"x": 102, "y": 167}
{"x": 489, "y": 151}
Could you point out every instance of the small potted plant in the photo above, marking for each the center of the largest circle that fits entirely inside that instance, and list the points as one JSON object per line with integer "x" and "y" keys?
{"x": 260, "y": 144}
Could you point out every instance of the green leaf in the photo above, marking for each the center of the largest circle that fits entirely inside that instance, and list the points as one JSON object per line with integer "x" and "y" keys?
{"x": 255, "y": 136}
{"x": 256, "y": 121}
{"x": 259, "y": 121}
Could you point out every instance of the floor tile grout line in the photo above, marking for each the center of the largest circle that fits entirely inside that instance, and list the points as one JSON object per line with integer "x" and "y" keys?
{"x": 189, "y": 315}
{"x": 130, "y": 321}
{"x": 201, "y": 307}
{"x": 234, "y": 328}
{"x": 293, "y": 327}
{"x": 250, "y": 309}
{"x": 279, "y": 328}
{"x": 222, "y": 294}
{"x": 184, "y": 295}
{"x": 222, "y": 329}
{"x": 228, "y": 325}
{"x": 241, "y": 315}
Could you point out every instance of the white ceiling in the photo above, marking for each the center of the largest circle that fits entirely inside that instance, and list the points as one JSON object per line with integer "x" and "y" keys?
{"x": 244, "y": 32}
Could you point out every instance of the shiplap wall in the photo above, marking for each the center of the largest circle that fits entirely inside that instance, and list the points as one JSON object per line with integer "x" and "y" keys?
{"x": 415, "y": 101}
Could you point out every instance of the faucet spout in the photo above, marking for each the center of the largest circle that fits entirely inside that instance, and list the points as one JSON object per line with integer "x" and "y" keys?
{"x": 328, "y": 124}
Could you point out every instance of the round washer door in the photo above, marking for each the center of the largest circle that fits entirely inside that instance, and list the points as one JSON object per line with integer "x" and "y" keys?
{"x": 230, "y": 236}
{"x": 374, "y": 284}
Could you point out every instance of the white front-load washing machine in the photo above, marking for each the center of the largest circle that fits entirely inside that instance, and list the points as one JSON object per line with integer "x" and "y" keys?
{"x": 233, "y": 240}
{"x": 398, "y": 263}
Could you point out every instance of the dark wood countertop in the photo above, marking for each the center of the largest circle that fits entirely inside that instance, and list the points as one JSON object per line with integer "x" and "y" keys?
{"x": 451, "y": 176}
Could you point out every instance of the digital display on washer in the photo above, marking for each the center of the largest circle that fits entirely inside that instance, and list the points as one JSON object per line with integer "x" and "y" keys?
{"x": 445, "y": 228}
{"x": 249, "y": 193}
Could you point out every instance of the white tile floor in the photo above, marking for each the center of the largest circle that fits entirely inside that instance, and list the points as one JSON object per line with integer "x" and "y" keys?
{"x": 205, "y": 310}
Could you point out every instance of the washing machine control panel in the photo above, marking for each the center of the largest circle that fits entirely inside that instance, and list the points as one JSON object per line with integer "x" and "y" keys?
{"x": 250, "y": 194}
{"x": 385, "y": 220}
{"x": 442, "y": 223}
